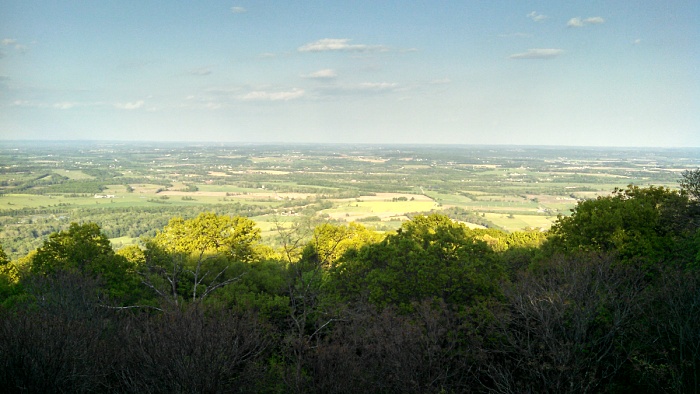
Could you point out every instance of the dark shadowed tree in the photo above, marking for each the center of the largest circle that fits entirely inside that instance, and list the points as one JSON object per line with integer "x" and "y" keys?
{"x": 566, "y": 327}
{"x": 429, "y": 257}
{"x": 668, "y": 358}
{"x": 57, "y": 339}
{"x": 194, "y": 350}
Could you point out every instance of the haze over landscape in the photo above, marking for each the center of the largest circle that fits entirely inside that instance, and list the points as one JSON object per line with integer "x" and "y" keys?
{"x": 590, "y": 73}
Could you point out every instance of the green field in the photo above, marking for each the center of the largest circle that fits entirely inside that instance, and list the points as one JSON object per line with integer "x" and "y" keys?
{"x": 120, "y": 242}
{"x": 73, "y": 174}
{"x": 383, "y": 209}
{"x": 513, "y": 222}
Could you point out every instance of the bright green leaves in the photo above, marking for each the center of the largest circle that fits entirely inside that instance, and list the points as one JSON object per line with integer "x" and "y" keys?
{"x": 8, "y": 276}
{"x": 329, "y": 242}
{"x": 189, "y": 259}
{"x": 8, "y": 271}
{"x": 235, "y": 237}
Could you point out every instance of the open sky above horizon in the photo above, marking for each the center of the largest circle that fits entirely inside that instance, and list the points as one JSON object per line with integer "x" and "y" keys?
{"x": 589, "y": 73}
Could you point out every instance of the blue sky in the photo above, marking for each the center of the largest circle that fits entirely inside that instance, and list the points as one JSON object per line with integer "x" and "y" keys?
{"x": 594, "y": 73}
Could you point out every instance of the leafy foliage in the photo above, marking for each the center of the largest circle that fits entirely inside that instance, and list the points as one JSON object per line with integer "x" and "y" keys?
{"x": 233, "y": 237}
{"x": 330, "y": 242}
{"x": 431, "y": 256}
{"x": 9, "y": 276}
{"x": 189, "y": 259}
{"x": 84, "y": 249}
{"x": 690, "y": 183}
{"x": 3, "y": 257}
{"x": 652, "y": 224}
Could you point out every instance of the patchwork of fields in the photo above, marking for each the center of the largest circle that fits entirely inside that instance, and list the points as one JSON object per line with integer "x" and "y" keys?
{"x": 43, "y": 187}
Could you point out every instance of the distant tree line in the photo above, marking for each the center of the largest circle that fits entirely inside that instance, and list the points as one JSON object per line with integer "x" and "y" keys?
{"x": 21, "y": 238}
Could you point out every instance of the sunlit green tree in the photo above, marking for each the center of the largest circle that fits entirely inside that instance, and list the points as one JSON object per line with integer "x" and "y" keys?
{"x": 653, "y": 224}
{"x": 7, "y": 269}
{"x": 189, "y": 259}
{"x": 8, "y": 276}
{"x": 235, "y": 237}
{"x": 329, "y": 242}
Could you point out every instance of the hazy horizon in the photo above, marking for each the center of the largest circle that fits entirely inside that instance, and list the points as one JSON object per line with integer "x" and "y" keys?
{"x": 6, "y": 143}
{"x": 535, "y": 73}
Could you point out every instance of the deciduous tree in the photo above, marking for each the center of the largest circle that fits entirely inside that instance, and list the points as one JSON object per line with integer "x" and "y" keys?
{"x": 653, "y": 224}
{"x": 84, "y": 249}
{"x": 190, "y": 258}
{"x": 430, "y": 256}
{"x": 690, "y": 183}
{"x": 567, "y": 327}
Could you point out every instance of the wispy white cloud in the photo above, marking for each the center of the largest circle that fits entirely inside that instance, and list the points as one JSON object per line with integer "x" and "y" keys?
{"x": 261, "y": 95}
{"x": 578, "y": 22}
{"x": 358, "y": 89}
{"x": 378, "y": 86}
{"x": 201, "y": 102}
{"x": 238, "y": 10}
{"x": 62, "y": 105}
{"x": 595, "y": 20}
{"x": 575, "y": 22}
{"x": 326, "y": 73}
{"x": 637, "y": 41}
{"x": 130, "y": 105}
{"x": 11, "y": 42}
{"x": 339, "y": 44}
{"x": 537, "y": 17}
{"x": 538, "y": 53}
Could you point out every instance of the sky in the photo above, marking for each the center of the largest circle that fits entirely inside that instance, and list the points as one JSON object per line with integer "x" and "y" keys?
{"x": 575, "y": 73}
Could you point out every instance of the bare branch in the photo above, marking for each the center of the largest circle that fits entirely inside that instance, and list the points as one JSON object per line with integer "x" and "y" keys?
{"x": 210, "y": 288}
{"x": 130, "y": 307}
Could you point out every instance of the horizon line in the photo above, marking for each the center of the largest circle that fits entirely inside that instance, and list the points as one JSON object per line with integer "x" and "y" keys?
{"x": 277, "y": 143}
